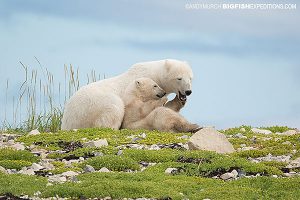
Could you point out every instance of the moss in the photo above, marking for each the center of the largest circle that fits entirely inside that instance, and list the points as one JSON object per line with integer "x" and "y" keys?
{"x": 112, "y": 162}
{"x": 14, "y": 164}
{"x": 11, "y": 154}
{"x": 19, "y": 184}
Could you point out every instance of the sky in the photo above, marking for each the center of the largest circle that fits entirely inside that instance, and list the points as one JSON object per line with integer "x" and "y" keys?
{"x": 246, "y": 63}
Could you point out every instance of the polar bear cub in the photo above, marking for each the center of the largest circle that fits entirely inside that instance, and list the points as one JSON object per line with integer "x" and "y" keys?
{"x": 142, "y": 97}
{"x": 144, "y": 109}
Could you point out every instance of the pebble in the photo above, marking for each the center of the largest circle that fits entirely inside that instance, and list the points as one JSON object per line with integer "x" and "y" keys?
{"x": 88, "y": 169}
{"x": 26, "y": 171}
{"x": 143, "y": 135}
{"x": 120, "y": 152}
{"x": 104, "y": 169}
{"x": 243, "y": 130}
{"x": 34, "y": 132}
{"x": 239, "y": 135}
{"x": 235, "y": 173}
{"x": 171, "y": 170}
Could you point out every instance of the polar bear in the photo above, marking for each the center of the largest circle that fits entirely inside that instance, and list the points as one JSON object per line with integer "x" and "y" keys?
{"x": 143, "y": 95}
{"x": 100, "y": 104}
{"x": 144, "y": 109}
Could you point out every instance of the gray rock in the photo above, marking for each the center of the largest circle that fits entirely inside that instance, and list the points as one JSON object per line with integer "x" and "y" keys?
{"x": 289, "y": 132}
{"x": 18, "y": 146}
{"x": 69, "y": 173}
{"x": 154, "y": 147}
{"x": 227, "y": 176}
{"x": 81, "y": 158}
{"x": 185, "y": 137}
{"x": 239, "y": 135}
{"x": 120, "y": 152}
{"x": 88, "y": 169}
{"x": 104, "y": 169}
{"x": 36, "y": 167}
{"x": 235, "y": 173}
{"x": 34, "y": 132}
{"x": 135, "y": 139}
{"x": 98, "y": 154}
{"x": 294, "y": 164}
{"x": 27, "y": 171}
{"x": 96, "y": 143}
{"x": 287, "y": 143}
{"x": 261, "y": 131}
{"x": 57, "y": 178}
{"x": 210, "y": 139}
{"x": 143, "y": 135}
{"x": 171, "y": 170}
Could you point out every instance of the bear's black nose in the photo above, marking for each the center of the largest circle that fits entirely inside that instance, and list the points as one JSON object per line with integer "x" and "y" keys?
{"x": 188, "y": 92}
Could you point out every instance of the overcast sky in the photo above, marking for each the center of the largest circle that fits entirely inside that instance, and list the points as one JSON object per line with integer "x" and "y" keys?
{"x": 246, "y": 63}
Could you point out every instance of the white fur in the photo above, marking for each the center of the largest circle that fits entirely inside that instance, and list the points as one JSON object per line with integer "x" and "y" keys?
{"x": 100, "y": 104}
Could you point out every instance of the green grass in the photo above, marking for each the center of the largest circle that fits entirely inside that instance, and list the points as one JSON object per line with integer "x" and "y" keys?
{"x": 16, "y": 159}
{"x": 120, "y": 185}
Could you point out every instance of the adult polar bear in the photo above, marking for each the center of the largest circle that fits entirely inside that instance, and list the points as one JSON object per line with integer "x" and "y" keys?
{"x": 100, "y": 104}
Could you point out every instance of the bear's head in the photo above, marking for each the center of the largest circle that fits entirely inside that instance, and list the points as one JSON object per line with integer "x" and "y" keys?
{"x": 179, "y": 78}
{"x": 147, "y": 89}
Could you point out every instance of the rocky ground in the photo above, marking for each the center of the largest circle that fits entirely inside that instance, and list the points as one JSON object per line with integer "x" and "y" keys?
{"x": 256, "y": 163}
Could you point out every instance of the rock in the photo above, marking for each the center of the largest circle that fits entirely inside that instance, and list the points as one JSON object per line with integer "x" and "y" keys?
{"x": 120, "y": 152}
{"x": 239, "y": 135}
{"x": 154, "y": 147}
{"x": 294, "y": 164}
{"x": 3, "y": 170}
{"x": 261, "y": 131}
{"x": 98, "y": 154}
{"x": 289, "y": 132}
{"x": 243, "y": 130}
{"x": 27, "y": 171}
{"x": 171, "y": 170}
{"x": 34, "y": 132}
{"x": 46, "y": 165}
{"x": 185, "y": 137}
{"x": 235, "y": 173}
{"x": 104, "y": 169}
{"x": 287, "y": 143}
{"x": 96, "y": 143}
{"x": 18, "y": 146}
{"x": 210, "y": 139}
{"x": 57, "y": 178}
{"x": 143, "y": 135}
{"x": 274, "y": 176}
{"x": 88, "y": 169}
{"x": 227, "y": 176}
{"x": 36, "y": 167}
{"x": 81, "y": 158}
{"x": 74, "y": 179}
{"x": 69, "y": 174}
{"x": 135, "y": 139}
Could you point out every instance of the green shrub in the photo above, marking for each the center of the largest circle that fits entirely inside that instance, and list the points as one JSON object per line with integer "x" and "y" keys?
{"x": 112, "y": 162}
{"x": 14, "y": 164}
{"x": 11, "y": 154}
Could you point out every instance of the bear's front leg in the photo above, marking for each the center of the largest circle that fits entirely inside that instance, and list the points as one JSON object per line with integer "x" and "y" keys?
{"x": 176, "y": 104}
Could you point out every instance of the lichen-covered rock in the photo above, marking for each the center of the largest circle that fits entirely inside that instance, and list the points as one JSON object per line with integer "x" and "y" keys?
{"x": 210, "y": 139}
{"x": 261, "y": 131}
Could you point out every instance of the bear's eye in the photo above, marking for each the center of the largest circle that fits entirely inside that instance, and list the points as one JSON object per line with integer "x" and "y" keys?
{"x": 155, "y": 86}
{"x": 179, "y": 79}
